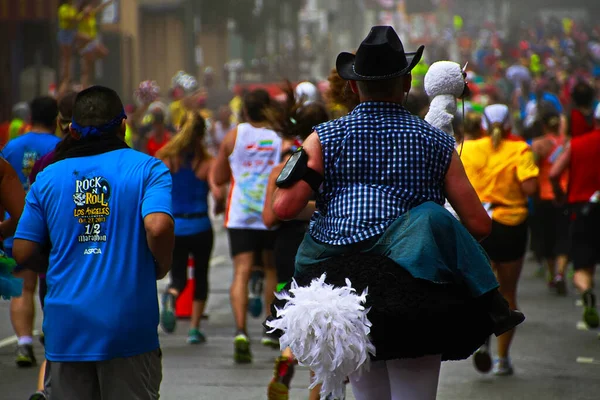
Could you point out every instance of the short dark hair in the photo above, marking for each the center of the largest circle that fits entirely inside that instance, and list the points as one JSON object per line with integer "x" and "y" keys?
{"x": 44, "y": 111}
{"x": 158, "y": 116}
{"x": 381, "y": 89}
{"x": 96, "y": 106}
{"x": 308, "y": 117}
{"x": 583, "y": 94}
{"x": 551, "y": 120}
{"x": 255, "y": 104}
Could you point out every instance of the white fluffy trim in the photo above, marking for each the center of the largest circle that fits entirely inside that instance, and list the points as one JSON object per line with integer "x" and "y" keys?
{"x": 327, "y": 329}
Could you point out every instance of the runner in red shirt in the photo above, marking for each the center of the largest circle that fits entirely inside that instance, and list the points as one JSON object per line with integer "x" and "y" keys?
{"x": 160, "y": 135}
{"x": 583, "y": 197}
{"x": 581, "y": 119}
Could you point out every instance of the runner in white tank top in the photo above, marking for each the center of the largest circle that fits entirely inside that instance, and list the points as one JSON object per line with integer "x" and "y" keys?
{"x": 246, "y": 158}
{"x": 256, "y": 152}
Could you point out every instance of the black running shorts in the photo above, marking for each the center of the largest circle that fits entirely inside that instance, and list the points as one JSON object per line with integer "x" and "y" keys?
{"x": 506, "y": 243}
{"x": 553, "y": 229}
{"x": 250, "y": 241}
{"x": 585, "y": 235}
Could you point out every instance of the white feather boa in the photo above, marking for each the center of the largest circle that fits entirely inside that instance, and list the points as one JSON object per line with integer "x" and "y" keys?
{"x": 327, "y": 329}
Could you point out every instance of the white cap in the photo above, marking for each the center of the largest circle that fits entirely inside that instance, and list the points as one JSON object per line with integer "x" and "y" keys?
{"x": 307, "y": 92}
{"x": 496, "y": 113}
{"x": 597, "y": 113}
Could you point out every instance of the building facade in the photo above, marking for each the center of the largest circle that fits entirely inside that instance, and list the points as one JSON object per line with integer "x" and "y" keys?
{"x": 28, "y": 50}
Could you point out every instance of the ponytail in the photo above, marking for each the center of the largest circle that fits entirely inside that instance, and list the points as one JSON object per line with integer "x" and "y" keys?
{"x": 500, "y": 128}
{"x": 497, "y": 133}
{"x": 190, "y": 139}
{"x": 295, "y": 119}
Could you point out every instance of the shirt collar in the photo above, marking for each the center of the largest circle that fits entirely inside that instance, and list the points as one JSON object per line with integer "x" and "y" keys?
{"x": 370, "y": 107}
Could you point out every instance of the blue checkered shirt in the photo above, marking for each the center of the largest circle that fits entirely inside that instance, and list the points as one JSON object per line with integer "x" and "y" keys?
{"x": 380, "y": 161}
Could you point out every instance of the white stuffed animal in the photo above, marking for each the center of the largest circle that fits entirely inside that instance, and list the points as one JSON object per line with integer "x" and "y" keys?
{"x": 444, "y": 83}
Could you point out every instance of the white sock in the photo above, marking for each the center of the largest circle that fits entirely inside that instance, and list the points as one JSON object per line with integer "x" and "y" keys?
{"x": 25, "y": 340}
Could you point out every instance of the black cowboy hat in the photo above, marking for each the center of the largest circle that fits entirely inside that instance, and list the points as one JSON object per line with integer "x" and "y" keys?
{"x": 380, "y": 56}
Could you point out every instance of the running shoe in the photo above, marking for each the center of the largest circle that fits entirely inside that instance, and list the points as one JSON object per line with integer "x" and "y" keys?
{"x": 41, "y": 395}
{"x": 168, "y": 321}
{"x": 241, "y": 349}
{"x": 270, "y": 340}
{"x": 279, "y": 387}
{"x": 482, "y": 360}
{"x": 255, "y": 303}
{"x": 25, "y": 357}
{"x": 195, "y": 336}
{"x": 590, "y": 312}
{"x": 503, "y": 367}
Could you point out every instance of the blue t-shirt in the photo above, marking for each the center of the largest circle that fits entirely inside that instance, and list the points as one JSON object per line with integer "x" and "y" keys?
{"x": 22, "y": 152}
{"x": 190, "y": 203}
{"x": 102, "y": 301}
{"x": 546, "y": 97}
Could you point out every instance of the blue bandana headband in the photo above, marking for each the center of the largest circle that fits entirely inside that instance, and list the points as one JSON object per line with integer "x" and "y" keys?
{"x": 85, "y": 131}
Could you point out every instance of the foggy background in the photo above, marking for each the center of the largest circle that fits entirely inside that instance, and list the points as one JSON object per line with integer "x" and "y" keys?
{"x": 247, "y": 41}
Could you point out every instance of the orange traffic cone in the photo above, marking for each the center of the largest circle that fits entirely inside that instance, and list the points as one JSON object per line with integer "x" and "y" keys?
{"x": 183, "y": 305}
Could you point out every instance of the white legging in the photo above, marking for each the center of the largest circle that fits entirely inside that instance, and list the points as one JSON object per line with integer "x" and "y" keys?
{"x": 408, "y": 379}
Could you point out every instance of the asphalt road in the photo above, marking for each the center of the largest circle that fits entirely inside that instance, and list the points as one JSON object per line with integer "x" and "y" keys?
{"x": 554, "y": 357}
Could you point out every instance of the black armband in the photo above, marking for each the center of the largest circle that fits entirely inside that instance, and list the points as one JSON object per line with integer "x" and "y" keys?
{"x": 297, "y": 169}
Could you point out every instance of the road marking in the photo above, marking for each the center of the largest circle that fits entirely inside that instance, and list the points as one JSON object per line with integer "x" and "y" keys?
{"x": 578, "y": 303}
{"x": 582, "y": 326}
{"x": 9, "y": 341}
{"x": 587, "y": 360}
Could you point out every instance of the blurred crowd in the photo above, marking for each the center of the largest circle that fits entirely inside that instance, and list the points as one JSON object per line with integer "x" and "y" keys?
{"x": 542, "y": 82}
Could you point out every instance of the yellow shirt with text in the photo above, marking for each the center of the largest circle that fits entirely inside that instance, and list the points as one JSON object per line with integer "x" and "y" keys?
{"x": 497, "y": 174}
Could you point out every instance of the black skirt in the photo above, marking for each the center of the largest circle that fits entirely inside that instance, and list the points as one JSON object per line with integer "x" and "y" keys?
{"x": 411, "y": 317}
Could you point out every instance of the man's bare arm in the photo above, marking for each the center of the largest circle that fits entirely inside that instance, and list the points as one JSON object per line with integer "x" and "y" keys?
{"x": 465, "y": 201}
{"x": 28, "y": 254}
{"x": 289, "y": 202}
{"x": 558, "y": 169}
{"x": 269, "y": 218}
{"x": 160, "y": 233}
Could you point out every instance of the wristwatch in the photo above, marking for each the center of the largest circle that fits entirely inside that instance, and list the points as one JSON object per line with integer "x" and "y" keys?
{"x": 297, "y": 169}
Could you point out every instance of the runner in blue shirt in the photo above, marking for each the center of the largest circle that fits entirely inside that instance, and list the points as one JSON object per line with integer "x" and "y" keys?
{"x": 22, "y": 153}
{"x": 106, "y": 210}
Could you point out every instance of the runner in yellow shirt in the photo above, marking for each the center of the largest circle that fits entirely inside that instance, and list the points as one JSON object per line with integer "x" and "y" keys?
{"x": 502, "y": 169}
{"x": 94, "y": 49}
{"x": 68, "y": 18}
